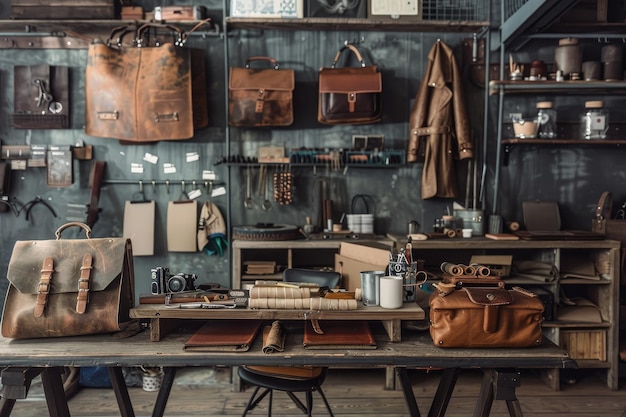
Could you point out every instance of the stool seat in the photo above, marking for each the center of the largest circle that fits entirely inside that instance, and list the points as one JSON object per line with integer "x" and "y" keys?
{"x": 288, "y": 384}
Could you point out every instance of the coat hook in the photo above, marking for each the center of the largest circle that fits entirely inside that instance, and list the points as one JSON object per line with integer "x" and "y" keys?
{"x": 154, "y": 186}
{"x": 167, "y": 186}
{"x": 140, "y": 186}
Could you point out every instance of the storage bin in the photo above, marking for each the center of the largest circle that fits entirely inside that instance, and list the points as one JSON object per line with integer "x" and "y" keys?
{"x": 584, "y": 344}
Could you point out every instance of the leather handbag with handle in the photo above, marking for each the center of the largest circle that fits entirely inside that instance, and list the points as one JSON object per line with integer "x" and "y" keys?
{"x": 611, "y": 228}
{"x": 144, "y": 92}
{"x": 485, "y": 316}
{"x": 260, "y": 96}
{"x": 68, "y": 287}
{"x": 349, "y": 95}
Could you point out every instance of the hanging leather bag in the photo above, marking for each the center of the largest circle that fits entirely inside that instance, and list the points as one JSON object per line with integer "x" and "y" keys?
{"x": 142, "y": 92}
{"x": 68, "y": 287}
{"x": 260, "y": 96}
{"x": 485, "y": 316}
{"x": 41, "y": 97}
{"x": 349, "y": 95}
{"x": 614, "y": 229}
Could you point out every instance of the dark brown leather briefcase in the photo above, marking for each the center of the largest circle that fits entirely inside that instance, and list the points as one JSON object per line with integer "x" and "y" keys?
{"x": 477, "y": 317}
{"x": 68, "y": 287}
{"x": 349, "y": 95}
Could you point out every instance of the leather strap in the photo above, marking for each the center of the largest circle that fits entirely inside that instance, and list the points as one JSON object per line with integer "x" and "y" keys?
{"x": 354, "y": 50}
{"x": 436, "y": 130}
{"x": 43, "y": 289}
{"x": 83, "y": 284}
{"x": 603, "y": 210}
{"x": 95, "y": 182}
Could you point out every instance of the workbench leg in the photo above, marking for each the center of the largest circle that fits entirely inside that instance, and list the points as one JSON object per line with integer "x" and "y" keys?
{"x": 164, "y": 392}
{"x": 6, "y": 406}
{"x": 121, "y": 391}
{"x": 498, "y": 384}
{"x": 407, "y": 390}
{"x": 444, "y": 392}
{"x": 55, "y": 395}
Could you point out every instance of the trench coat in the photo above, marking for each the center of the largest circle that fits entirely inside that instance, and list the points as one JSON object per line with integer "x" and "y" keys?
{"x": 439, "y": 125}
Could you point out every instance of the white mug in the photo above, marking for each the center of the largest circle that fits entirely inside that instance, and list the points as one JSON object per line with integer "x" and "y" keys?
{"x": 391, "y": 292}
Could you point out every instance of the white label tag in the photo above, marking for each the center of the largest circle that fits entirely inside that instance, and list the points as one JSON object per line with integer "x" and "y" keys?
{"x": 136, "y": 168}
{"x": 208, "y": 175}
{"x": 192, "y": 156}
{"x": 193, "y": 194}
{"x": 148, "y": 157}
{"x": 169, "y": 168}
{"x": 218, "y": 191}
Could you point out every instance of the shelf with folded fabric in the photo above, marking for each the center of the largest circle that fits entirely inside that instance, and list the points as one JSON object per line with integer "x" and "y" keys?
{"x": 347, "y": 24}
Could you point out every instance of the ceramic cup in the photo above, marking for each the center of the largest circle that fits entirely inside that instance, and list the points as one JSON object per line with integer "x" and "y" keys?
{"x": 391, "y": 292}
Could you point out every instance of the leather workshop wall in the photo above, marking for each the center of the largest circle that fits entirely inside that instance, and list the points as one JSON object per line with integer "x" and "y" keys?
{"x": 574, "y": 176}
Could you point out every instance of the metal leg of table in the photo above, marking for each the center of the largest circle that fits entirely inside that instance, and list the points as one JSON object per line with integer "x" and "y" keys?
{"x": 55, "y": 395}
{"x": 121, "y": 391}
{"x": 164, "y": 392}
{"x": 6, "y": 406}
{"x": 498, "y": 384}
{"x": 407, "y": 390}
{"x": 444, "y": 392}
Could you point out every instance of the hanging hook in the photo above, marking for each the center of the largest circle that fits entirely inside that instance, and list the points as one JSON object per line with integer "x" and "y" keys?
{"x": 167, "y": 186}
{"x": 154, "y": 186}
{"x": 140, "y": 186}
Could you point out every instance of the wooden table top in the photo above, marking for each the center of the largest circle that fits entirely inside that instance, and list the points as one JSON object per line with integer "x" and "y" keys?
{"x": 415, "y": 350}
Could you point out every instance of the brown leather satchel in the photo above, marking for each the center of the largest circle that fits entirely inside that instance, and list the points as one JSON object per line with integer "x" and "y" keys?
{"x": 349, "y": 95}
{"x": 68, "y": 287}
{"x": 144, "y": 94}
{"x": 485, "y": 317}
{"x": 260, "y": 96}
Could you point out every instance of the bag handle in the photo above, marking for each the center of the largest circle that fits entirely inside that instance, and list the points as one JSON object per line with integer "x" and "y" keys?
{"x": 182, "y": 35}
{"x": 86, "y": 228}
{"x": 354, "y": 50}
{"x": 262, "y": 58}
{"x": 605, "y": 204}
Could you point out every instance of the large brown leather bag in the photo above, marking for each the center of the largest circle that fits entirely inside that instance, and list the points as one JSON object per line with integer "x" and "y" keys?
{"x": 260, "y": 96}
{"x": 349, "y": 95}
{"x": 144, "y": 94}
{"x": 68, "y": 287}
{"x": 477, "y": 317}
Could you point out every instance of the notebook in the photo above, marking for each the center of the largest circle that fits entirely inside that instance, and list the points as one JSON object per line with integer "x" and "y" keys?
{"x": 543, "y": 222}
{"x": 339, "y": 334}
{"x": 224, "y": 335}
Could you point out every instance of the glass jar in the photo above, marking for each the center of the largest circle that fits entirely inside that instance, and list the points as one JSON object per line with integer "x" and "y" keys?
{"x": 594, "y": 122}
{"x": 546, "y": 117}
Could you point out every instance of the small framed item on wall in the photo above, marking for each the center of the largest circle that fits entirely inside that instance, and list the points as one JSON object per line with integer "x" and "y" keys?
{"x": 353, "y": 9}
{"x": 395, "y": 9}
{"x": 267, "y": 8}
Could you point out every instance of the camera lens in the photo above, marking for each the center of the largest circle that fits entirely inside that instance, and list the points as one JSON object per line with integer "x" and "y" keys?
{"x": 176, "y": 284}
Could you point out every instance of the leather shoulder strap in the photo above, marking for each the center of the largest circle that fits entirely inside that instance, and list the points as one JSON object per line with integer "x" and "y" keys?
{"x": 605, "y": 204}
{"x": 95, "y": 182}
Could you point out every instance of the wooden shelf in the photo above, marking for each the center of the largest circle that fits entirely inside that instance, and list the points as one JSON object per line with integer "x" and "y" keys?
{"x": 577, "y": 142}
{"x": 572, "y": 87}
{"x": 335, "y": 24}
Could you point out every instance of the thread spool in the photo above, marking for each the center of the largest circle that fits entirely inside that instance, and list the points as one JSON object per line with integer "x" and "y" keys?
{"x": 482, "y": 270}
{"x": 513, "y": 226}
{"x": 449, "y": 232}
{"x": 452, "y": 269}
{"x": 468, "y": 269}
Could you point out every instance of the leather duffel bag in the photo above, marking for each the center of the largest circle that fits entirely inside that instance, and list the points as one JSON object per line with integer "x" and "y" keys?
{"x": 478, "y": 317}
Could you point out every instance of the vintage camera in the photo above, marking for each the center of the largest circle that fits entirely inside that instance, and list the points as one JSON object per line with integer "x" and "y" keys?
{"x": 159, "y": 278}
{"x": 181, "y": 282}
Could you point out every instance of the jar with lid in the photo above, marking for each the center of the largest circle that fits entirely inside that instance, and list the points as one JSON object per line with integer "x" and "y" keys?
{"x": 594, "y": 122}
{"x": 546, "y": 117}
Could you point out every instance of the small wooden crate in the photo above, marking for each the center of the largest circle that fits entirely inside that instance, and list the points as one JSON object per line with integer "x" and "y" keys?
{"x": 584, "y": 344}
{"x": 62, "y": 9}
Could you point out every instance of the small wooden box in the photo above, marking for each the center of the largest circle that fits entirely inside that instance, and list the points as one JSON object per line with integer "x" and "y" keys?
{"x": 62, "y": 9}
{"x": 584, "y": 344}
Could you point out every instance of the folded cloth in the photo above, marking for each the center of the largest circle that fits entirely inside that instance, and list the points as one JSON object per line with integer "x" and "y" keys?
{"x": 273, "y": 338}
